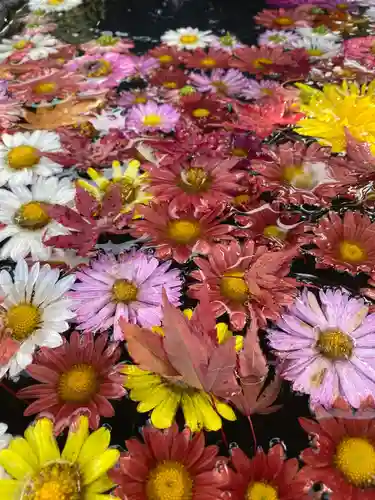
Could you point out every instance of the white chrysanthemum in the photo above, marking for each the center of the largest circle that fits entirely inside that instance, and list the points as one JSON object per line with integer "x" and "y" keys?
{"x": 370, "y": 13}
{"x": 22, "y": 159}
{"x": 26, "y": 222}
{"x": 28, "y": 47}
{"x": 4, "y": 442}
{"x": 319, "y": 32}
{"x": 318, "y": 47}
{"x": 35, "y": 309}
{"x": 53, "y": 5}
{"x": 276, "y": 38}
{"x": 187, "y": 38}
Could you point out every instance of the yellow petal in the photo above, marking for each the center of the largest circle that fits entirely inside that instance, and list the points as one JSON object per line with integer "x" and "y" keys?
{"x": 192, "y": 416}
{"x": 225, "y": 410}
{"x": 143, "y": 393}
{"x": 15, "y": 465}
{"x": 47, "y": 448}
{"x": 132, "y": 170}
{"x": 142, "y": 382}
{"x": 153, "y": 398}
{"x": 163, "y": 415}
{"x": 20, "y": 446}
{"x": 116, "y": 170}
{"x": 96, "y": 444}
{"x": 239, "y": 343}
{"x": 211, "y": 420}
{"x": 10, "y": 489}
{"x": 99, "y": 465}
{"x": 188, "y": 313}
{"x": 93, "y": 496}
{"x": 98, "y": 178}
{"x": 78, "y": 433}
{"x": 93, "y": 190}
{"x": 100, "y": 485}
{"x": 223, "y": 333}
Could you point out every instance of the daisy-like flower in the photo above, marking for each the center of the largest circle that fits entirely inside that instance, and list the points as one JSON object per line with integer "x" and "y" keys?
{"x": 261, "y": 60}
{"x": 35, "y": 311}
{"x": 325, "y": 348}
{"x": 169, "y": 79}
{"x": 261, "y": 89}
{"x": 227, "y": 42}
{"x": 51, "y": 6}
{"x": 106, "y": 42}
{"x": 22, "y": 156}
{"x": 38, "y": 469}
{"x": 213, "y": 58}
{"x": 171, "y": 465}
{"x": 245, "y": 281}
{"x": 318, "y": 47}
{"x": 166, "y": 56}
{"x": 267, "y": 476}
{"x": 25, "y": 221}
{"x": 152, "y": 116}
{"x": 346, "y": 243}
{"x": 128, "y": 286}
{"x": 204, "y": 109}
{"x": 134, "y": 97}
{"x": 133, "y": 184}
{"x": 181, "y": 234}
{"x": 24, "y": 48}
{"x": 284, "y": 19}
{"x": 275, "y": 38}
{"x": 342, "y": 456}
{"x": 318, "y": 32}
{"x": 77, "y": 378}
{"x": 230, "y": 82}
{"x": 187, "y": 38}
{"x": 361, "y": 50}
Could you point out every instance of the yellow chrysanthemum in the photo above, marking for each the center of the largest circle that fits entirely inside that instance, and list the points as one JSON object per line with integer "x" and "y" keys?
{"x": 163, "y": 397}
{"x": 132, "y": 183}
{"x": 39, "y": 471}
{"x": 336, "y": 109}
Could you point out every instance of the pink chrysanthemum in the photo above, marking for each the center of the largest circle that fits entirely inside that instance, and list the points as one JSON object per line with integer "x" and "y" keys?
{"x": 213, "y": 58}
{"x": 245, "y": 281}
{"x": 144, "y": 66}
{"x": 345, "y": 243}
{"x": 167, "y": 56}
{"x": 152, "y": 116}
{"x": 261, "y": 60}
{"x": 77, "y": 378}
{"x": 129, "y": 287}
{"x": 134, "y": 97}
{"x": 361, "y": 50}
{"x": 260, "y": 89}
{"x": 181, "y": 234}
{"x": 230, "y": 82}
{"x": 107, "y": 43}
{"x": 285, "y": 19}
{"x": 170, "y": 465}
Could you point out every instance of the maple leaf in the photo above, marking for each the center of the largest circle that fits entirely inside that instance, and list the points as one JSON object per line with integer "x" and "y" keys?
{"x": 251, "y": 360}
{"x": 258, "y": 397}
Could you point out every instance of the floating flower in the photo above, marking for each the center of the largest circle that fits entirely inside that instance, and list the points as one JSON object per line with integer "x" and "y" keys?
{"x": 213, "y": 58}
{"x": 24, "y": 48}
{"x": 229, "y": 82}
{"x": 24, "y": 155}
{"x": 261, "y": 60}
{"x": 128, "y": 286}
{"x": 38, "y": 469}
{"x": 171, "y": 465}
{"x": 187, "y": 38}
{"x": 267, "y": 476}
{"x": 169, "y": 79}
{"x": 152, "y": 116}
{"x": 347, "y": 243}
{"x": 25, "y": 220}
{"x": 77, "y": 378}
{"x": 134, "y": 97}
{"x": 182, "y": 234}
{"x": 319, "y": 47}
{"x": 35, "y": 309}
{"x": 203, "y": 110}
{"x": 342, "y": 456}
{"x": 284, "y": 19}
{"x": 275, "y": 38}
{"x": 245, "y": 281}
{"x": 227, "y": 42}
{"x": 106, "y": 42}
{"x": 261, "y": 89}
{"x": 51, "y": 6}
{"x": 167, "y": 56}
{"x": 325, "y": 348}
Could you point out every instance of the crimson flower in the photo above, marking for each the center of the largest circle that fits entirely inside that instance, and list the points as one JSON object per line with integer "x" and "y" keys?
{"x": 213, "y": 58}
{"x": 167, "y": 56}
{"x": 204, "y": 110}
{"x": 285, "y": 19}
{"x": 169, "y": 79}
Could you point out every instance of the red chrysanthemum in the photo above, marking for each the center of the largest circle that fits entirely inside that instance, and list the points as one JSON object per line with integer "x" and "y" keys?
{"x": 346, "y": 243}
{"x": 204, "y": 110}
{"x": 268, "y": 476}
{"x": 284, "y": 19}
{"x": 343, "y": 456}
{"x": 177, "y": 235}
{"x": 77, "y": 378}
{"x": 167, "y": 56}
{"x": 200, "y": 59}
{"x": 260, "y": 60}
{"x": 246, "y": 281}
{"x": 170, "y": 465}
{"x": 169, "y": 79}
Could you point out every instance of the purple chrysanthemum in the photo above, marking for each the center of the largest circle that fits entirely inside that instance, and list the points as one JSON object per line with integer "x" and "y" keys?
{"x": 326, "y": 349}
{"x": 128, "y": 286}
{"x": 258, "y": 90}
{"x": 152, "y": 116}
{"x": 230, "y": 82}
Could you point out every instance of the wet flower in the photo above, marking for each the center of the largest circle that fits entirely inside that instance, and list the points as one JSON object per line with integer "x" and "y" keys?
{"x": 35, "y": 310}
{"x": 261, "y": 60}
{"x": 152, "y": 116}
{"x": 24, "y": 155}
{"x": 203, "y": 110}
{"x": 236, "y": 285}
{"x": 213, "y": 58}
{"x": 144, "y": 66}
{"x": 284, "y": 19}
{"x": 319, "y": 47}
{"x": 361, "y": 50}
{"x": 51, "y": 6}
{"x": 267, "y": 476}
{"x": 227, "y": 42}
{"x": 181, "y": 234}
{"x": 261, "y": 89}
{"x": 106, "y": 42}
{"x": 128, "y": 286}
{"x": 324, "y": 348}
{"x": 275, "y": 38}
{"x": 169, "y": 79}
{"x": 24, "y": 48}
{"x": 38, "y": 469}
{"x": 170, "y": 465}
{"x": 134, "y": 97}
{"x": 167, "y": 56}
{"x": 346, "y": 243}
{"x": 229, "y": 82}
{"x": 187, "y": 38}
{"x": 75, "y": 379}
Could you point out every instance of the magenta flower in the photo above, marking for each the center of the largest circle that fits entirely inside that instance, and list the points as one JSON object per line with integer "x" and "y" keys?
{"x": 128, "y": 286}
{"x": 229, "y": 82}
{"x": 152, "y": 116}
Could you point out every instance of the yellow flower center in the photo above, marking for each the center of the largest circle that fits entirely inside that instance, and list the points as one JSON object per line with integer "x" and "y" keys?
{"x": 240, "y": 152}
{"x": 227, "y": 40}
{"x": 261, "y": 491}
{"x": 188, "y": 39}
{"x": 22, "y": 157}
{"x": 165, "y": 58}
{"x": 201, "y": 113}
{"x": 124, "y": 291}
{"x": 184, "y": 231}
{"x": 261, "y": 62}
{"x": 55, "y": 2}
{"x": 140, "y": 99}
{"x": 169, "y": 480}
{"x": 351, "y": 252}
{"x": 220, "y": 86}
{"x": 209, "y": 62}
{"x": 170, "y": 85}
{"x": 21, "y": 44}
{"x": 194, "y": 180}
{"x": 107, "y": 40}
{"x": 284, "y": 21}
{"x": 355, "y": 459}
{"x": 241, "y": 199}
{"x": 57, "y": 481}
{"x": 277, "y": 38}
{"x": 151, "y": 120}
{"x": 297, "y": 177}
{"x": 45, "y": 88}
{"x": 334, "y": 344}
{"x": 23, "y": 320}
{"x": 79, "y": 384}
{"x": 274, "y": 232}
{"x": 99, "y": 68}
{"x": 31, "y": 216}
{"x": 315, "y": 52}
{"x": 234, "y": 287}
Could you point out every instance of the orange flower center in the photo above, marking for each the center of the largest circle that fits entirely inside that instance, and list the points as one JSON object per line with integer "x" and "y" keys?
{"x": 184, "y": 231}
{"x": 208, "y": 62}
{"x": 201, "y": 113}
{"x": 351, "y": 251}
{"x": 284, "y": 21}
{"x": 78, "y": 384}
{"x": 45, "y": 88}
{"x": 262, "y": 62}
{"x": 234, "y": 287}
